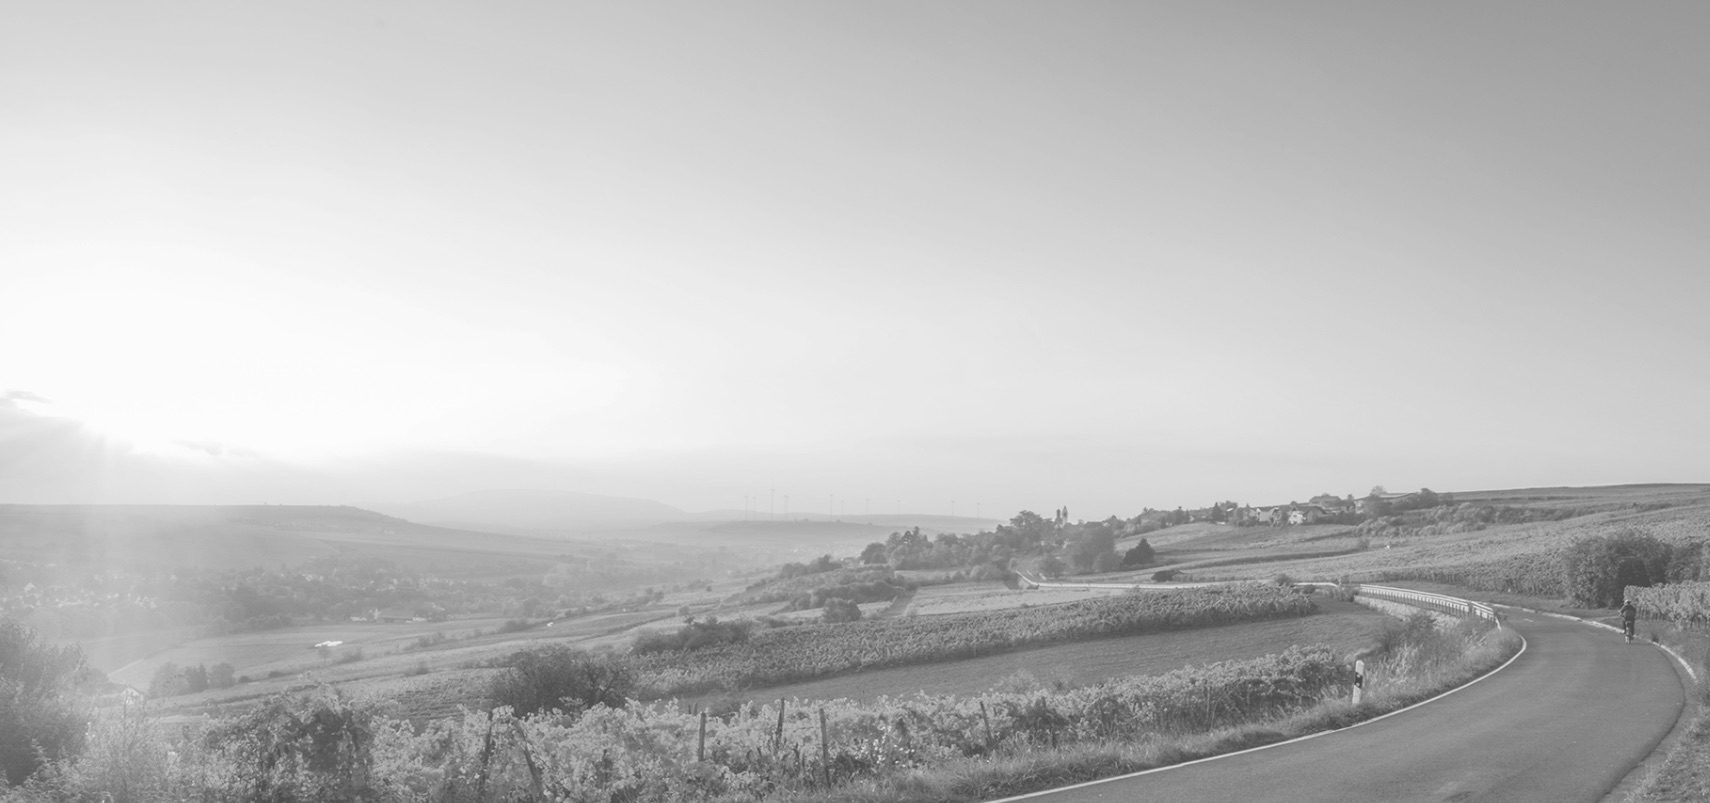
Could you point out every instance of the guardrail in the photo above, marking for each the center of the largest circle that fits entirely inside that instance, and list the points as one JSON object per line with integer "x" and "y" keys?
{"x": 1429, "y": 601}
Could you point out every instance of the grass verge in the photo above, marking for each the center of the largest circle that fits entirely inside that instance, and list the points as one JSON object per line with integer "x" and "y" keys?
{"x": 1684, "y": 774}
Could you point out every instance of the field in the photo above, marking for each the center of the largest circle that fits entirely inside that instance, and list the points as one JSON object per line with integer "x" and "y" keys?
{"x": 1344, "y": 627}
{"x": 430, "y": 667}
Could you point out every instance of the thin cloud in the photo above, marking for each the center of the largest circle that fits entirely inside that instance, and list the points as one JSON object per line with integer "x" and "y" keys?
{"x": 11, "y": 399}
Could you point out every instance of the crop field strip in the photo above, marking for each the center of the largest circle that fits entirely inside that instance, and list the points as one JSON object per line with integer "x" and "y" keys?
{"x": 801, "y": 653}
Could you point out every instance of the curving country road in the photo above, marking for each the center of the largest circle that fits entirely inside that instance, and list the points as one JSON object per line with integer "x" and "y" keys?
{"x": 1564, "y": 722}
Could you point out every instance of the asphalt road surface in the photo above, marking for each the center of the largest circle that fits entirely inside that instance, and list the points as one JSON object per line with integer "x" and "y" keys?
{"x": 1564, "y": 722}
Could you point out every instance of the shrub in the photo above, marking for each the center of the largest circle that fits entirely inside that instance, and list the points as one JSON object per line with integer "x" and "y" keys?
{"x": 1597, "y": 569}
{"x": 694, "y": 635}
{"x": 561, "y": 679}
{"x": 841, "y": 610}
{"x": 126, "y": 758}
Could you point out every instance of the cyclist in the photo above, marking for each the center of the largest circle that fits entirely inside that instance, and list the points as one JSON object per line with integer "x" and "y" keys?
{"x": 1629, "y": 612}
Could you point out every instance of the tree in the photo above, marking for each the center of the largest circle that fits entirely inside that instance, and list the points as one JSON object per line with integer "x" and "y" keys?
{"x": 1139, "y": 555}
{"x": 38, "y": 720}
{"x": 1597, "y": 569}
{"x": 562, "y": 679}
{"x": 167, "y": 681}
{"x": 1052, "y": 566}
{"x": 1087, "y": 543}
{"x": 874, "y": 554}
{"x": 841, "y": 610}
{"x": 220, "y": 676}
{"x": 195, "y": 678}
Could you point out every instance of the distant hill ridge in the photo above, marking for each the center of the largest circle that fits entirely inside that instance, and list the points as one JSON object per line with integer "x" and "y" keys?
{"x": 533, "y": 511}
{"x": 239, "y": 536}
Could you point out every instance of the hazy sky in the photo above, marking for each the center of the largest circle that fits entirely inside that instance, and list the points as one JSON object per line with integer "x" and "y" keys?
{"x": 1107, "y": 255}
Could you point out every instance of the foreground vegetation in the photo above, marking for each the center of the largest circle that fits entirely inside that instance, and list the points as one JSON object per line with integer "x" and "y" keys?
{"x": 322, "y": 746}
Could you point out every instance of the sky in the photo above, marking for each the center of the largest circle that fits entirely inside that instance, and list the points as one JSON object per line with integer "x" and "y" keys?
{"x": 938, "y": 257}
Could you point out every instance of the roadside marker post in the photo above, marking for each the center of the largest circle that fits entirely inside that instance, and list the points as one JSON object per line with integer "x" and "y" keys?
{"x": 1359, "y": 679}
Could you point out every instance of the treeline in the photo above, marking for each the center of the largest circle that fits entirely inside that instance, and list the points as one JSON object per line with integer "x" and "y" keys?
{"x": 172, "y": 680}
{"x": 1081, "y": 546}
{"x": 694, "y": 635}
{"x": 805, "y": 591}
{"x": 1446, "y": 517}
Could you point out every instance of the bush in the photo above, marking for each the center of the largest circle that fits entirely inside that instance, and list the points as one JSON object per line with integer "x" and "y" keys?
{"x": 127, "y": 757}
{"x": 561, "y": 679}
{"x": 38, "y": 721}
{"x": 297, "y": 748}
{"x": 694, "y": 635}
{"x": 1597, "y": 569}
{"x": 841, "y": 610}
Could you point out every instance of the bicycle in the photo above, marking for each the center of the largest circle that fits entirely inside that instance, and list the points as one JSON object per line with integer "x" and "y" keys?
{"x": 1627, "y": 629}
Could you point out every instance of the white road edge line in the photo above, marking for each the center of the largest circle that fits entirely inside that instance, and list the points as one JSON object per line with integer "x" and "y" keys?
{"x": 1085, "y": 784}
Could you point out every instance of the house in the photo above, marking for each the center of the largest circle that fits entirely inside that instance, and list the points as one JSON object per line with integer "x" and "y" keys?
{"x": 1332, "y": 504}
{"x": 118, "y": 694}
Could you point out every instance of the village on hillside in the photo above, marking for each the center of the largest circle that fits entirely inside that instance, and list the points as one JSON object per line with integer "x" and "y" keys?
{"x": 1321, "y": 509}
